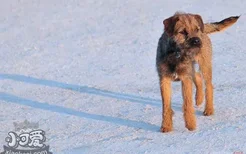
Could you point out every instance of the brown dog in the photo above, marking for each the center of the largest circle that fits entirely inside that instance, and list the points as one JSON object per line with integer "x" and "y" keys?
{"x": 184, "y": 44}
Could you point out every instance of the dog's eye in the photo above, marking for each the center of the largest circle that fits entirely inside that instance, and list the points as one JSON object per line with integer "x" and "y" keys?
{"x": 184, "y": 32}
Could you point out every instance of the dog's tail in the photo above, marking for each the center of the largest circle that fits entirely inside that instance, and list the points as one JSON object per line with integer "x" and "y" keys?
{"x": 220, "y": 26}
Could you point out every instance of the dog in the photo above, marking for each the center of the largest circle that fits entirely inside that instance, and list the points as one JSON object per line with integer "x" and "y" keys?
{"x": 183, "y": 46}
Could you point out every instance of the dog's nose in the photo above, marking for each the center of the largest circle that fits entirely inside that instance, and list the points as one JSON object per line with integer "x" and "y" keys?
{"x": 195, "y": 41}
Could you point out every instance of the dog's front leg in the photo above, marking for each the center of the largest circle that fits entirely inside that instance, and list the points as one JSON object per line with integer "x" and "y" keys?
{"x": 188, "y": 109}
{"x": 167, "y": 112}
{"x": 206, "y": 68}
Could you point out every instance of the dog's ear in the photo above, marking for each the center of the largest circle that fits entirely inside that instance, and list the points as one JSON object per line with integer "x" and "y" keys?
{"x": 169, "y": 24}
{"x": 200, "y": 22}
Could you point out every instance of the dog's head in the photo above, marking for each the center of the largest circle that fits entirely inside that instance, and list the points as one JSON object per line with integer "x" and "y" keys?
{"x": 185, "y": 30}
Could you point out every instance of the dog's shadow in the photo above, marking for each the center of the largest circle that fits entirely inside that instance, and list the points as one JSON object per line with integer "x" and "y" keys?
{"x": 81, "y": 89}
{"x": 85, "y": 89}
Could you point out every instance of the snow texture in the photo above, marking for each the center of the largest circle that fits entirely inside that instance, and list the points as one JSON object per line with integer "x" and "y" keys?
{"x": 85, "y": 70}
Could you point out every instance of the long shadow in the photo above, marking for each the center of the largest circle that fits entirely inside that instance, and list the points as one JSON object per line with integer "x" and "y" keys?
{"x": 81, "y": 89}
{"x": 85, "y": 89}
{"x": 64, "y": 110}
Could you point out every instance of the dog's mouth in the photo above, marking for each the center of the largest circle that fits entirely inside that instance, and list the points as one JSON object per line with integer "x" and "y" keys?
{"x": 186, "y": 52}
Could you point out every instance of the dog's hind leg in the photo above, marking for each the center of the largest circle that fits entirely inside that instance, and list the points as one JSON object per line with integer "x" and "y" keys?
{"x": 167, "y": 112}
{"x": 198, "y": 81}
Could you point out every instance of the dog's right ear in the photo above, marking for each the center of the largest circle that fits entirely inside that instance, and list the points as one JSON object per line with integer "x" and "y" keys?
{"x": 169, "y": 24}
{"x": 200, "y": 22}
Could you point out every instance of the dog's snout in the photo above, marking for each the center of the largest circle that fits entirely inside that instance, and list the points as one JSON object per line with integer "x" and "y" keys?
{"x": 195, "y": 41}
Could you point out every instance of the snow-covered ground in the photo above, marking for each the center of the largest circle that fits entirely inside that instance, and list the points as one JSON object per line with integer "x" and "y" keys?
{"x": 85, "y": 70}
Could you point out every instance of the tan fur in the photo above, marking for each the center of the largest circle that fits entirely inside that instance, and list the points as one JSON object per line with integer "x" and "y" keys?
{"x": 197, "y": 79}
{"x": 220, "y": 26}
{"x": 175, "y": 27}
{"x": 167, "y": 123}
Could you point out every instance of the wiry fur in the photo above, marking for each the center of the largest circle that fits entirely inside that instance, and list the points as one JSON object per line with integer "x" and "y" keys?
{"x": 184, "y": 43}
{"x": 219, "y": 26}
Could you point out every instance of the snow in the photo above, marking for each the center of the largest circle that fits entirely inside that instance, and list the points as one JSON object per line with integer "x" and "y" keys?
{"x": 85, "y": 70}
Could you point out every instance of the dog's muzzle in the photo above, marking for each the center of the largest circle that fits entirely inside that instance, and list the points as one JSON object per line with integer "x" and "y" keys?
{"x": 195, "y": 41}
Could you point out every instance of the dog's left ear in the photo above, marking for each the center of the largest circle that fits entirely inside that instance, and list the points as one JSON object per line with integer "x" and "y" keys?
{"x": 200, "y": 22}
{"x": 169, "y": 24}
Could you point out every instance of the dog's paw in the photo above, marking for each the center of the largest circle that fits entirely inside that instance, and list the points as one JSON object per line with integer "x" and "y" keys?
{"x": 166, "y": 129}
{"x": 208, "y": 112}
{"x": 190, "y": 125}
{"x": 191, "y": 128}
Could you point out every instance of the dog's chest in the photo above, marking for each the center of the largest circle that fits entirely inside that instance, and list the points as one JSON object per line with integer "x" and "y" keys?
{"x": 176, "y": 70}
{"x": 172, "y": 68}
{"x": 181, "y": 69}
